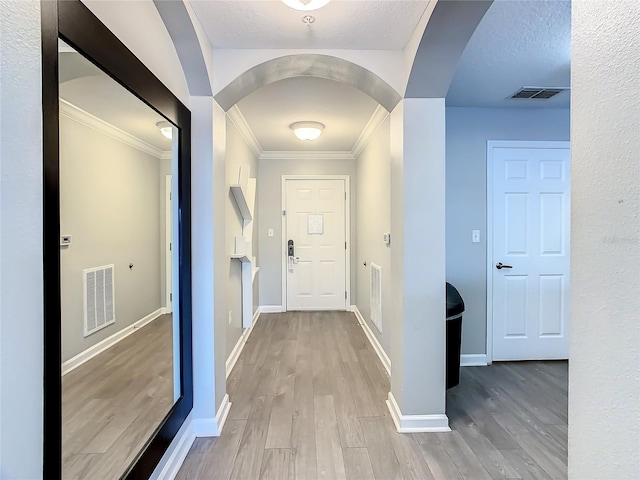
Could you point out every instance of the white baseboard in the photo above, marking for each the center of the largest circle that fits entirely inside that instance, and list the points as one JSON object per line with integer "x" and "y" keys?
{"x": 108, "y": 342}
{"x": 384, "y": 358}
{"x": 237, "y": 350}
{"x": 172, "y": 460}
{"x": 416, "y": 423}
{"x": 212, "y": 427}
{"x": 473, "y": 360}
{"x": 271, "y": 309}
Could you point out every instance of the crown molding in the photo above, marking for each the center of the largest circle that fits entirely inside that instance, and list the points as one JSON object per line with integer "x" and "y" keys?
{"x": 306, "y": 155}
{"x": 377, "y": 119}
{"x": 237, "y": 119}
{"x": 74, "y": 113}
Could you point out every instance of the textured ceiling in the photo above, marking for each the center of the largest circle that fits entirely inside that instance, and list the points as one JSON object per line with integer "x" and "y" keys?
{"x": 518, "y": 43}
{"x": 343, "y": 110}
{"x": 342, "y": 24}
{"x": 87, "y": 87}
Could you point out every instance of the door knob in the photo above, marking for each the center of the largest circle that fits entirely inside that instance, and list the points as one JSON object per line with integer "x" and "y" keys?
{"x": 500, "y": 266}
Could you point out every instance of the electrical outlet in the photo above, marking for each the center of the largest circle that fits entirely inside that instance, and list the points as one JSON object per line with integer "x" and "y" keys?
{"x": 230, "y": 317}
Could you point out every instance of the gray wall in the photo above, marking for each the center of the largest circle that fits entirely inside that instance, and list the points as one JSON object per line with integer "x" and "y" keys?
{"x": 109, "y": 204}
{"x": 604, "y": 331}
{"x": 373, "y": 219}
{"x": 468, "y": 130}
{"x": 238, "y": 154}
{"x": 21, "y": 309}
{"x": 269, "y": 199}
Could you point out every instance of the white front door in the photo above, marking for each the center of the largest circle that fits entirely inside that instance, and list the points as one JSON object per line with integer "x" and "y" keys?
{"x": 315, "y": 244}
{"x": 529, "y": 259}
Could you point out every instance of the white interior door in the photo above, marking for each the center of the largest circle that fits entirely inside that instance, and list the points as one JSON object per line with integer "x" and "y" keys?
{"x": 315, "y": 226}
{"x": 529, "y": 259}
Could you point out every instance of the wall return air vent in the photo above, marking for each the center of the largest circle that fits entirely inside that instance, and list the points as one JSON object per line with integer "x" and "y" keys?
{"x": 538, "y": 93}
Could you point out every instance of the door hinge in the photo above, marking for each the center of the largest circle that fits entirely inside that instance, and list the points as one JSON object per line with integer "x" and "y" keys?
{"x": 171, "y": 297}
{"x": 170, "y": 196}
{"x": 284, "y": 212}
{"x": 345, "y": 245}
{"x": 169, "y": 246}
{"x": 345, "y": 195}
{"x": 345, "y": 294}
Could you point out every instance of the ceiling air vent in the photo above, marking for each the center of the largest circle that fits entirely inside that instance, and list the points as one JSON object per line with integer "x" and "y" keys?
{"x": 538, "y": 93}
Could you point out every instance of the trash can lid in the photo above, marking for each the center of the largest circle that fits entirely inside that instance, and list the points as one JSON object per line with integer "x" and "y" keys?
{"x": 455, "y": 304}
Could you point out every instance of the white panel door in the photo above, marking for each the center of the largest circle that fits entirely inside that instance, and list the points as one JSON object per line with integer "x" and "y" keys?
{"x": 315, "y": 222}
{"x": 530, "y": 264}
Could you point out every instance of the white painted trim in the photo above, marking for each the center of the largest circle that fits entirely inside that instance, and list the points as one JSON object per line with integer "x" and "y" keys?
{"x": 382, "y": 355}
{"x": 377, "y": 119}
{"x": 237, "y": 350}
{"x": 347, "y": 219}
{"x": 416, "y": 423}
{"x": 69, "y": 110}
{"x": 108, "y": 342}
{"x": 473, "y": 360}
{"x": 304, "y": 155}
{"x": 237, "y": 119}
{"x": 173, "y": 458}
{"x": 212, "y": 427}
{"x": 491, "y": 145}
{"x": 168, "y": 239}
{"x": 271, "y": 309}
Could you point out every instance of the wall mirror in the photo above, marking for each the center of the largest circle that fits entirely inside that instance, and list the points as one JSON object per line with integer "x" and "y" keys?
{"x": 117, "y": 290}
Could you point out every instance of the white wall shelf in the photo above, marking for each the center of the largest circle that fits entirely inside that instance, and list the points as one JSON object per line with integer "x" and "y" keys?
{"x": 244, "y": 193}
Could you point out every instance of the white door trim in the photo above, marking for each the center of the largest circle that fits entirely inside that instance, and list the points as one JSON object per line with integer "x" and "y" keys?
{"x": 347, "y": 302}
{"x": 491, "y": 144}
{"x": 168, "y": 271}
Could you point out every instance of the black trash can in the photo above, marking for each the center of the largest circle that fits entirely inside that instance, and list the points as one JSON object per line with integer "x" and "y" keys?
{"x": 455, "y": 309}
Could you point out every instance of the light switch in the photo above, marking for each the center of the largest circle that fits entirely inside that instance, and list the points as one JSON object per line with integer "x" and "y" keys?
{"x": 270, "y": 232}
{"x": 65, "y": 240}
{"x": 475, "y": 236}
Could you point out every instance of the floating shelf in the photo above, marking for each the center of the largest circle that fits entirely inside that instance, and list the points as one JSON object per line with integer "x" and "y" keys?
{"x": 244, "y": 193}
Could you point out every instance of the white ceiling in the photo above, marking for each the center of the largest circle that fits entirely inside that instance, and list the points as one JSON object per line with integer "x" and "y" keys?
{"x": 344, "y": 110}
{"x": 87, "y": 87}
{"x": 518, "y": 43}
{"x": 342, "y": 24}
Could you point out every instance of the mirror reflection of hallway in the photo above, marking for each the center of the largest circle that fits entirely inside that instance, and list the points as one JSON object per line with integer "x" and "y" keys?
{"x": 117, "y": 221}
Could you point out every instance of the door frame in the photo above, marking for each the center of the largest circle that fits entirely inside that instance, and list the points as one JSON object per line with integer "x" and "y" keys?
{"x": 347, "y": 219}
{"x": 168, "y": 238}
{"x": 491, "y": 145}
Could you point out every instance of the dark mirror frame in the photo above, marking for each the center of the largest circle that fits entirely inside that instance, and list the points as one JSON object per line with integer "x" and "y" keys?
{"x": 74, "y": 23}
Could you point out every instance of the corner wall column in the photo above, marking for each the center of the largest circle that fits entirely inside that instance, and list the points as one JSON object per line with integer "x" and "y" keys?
{"x": 208, "y": 260}
{"x": 417, "y": 397}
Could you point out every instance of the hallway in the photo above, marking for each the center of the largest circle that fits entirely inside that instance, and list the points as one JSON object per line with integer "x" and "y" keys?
{"x": 308, "y": 401}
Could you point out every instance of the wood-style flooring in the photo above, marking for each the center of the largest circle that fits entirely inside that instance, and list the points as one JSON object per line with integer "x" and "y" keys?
{"x": 113, "y": 403}
{"x": 308, "y": 402}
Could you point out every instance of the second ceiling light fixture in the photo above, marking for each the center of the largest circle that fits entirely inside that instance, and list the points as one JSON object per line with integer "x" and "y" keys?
{"x": 306, "y": 5}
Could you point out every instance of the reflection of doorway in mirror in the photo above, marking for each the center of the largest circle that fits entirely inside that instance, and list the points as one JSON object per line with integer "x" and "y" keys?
{"x": 118, "y": 382}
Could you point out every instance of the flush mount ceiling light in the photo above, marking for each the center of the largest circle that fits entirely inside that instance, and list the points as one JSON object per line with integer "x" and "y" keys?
{"x": 307, "y": 130}
{"x": 306, "y": 5}
{"x": 166, "y": 129}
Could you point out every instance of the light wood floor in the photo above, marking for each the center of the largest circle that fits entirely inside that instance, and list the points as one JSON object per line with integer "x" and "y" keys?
{"x": 308, "y": 397}
{"x": 113, "y": 403}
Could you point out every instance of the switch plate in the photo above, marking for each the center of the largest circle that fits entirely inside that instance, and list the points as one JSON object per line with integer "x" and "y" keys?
{"x": 65, "y": 240}
{"x": 475, "y": 236}
{"x": 230, "y": 317}
{"x": 387, "y": 238}
{"x": 270, "y": 232}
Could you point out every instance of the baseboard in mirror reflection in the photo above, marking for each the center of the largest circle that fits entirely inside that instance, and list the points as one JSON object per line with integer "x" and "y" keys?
{"x": 170, "y": 464}
{"x": 109, "y": 342}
